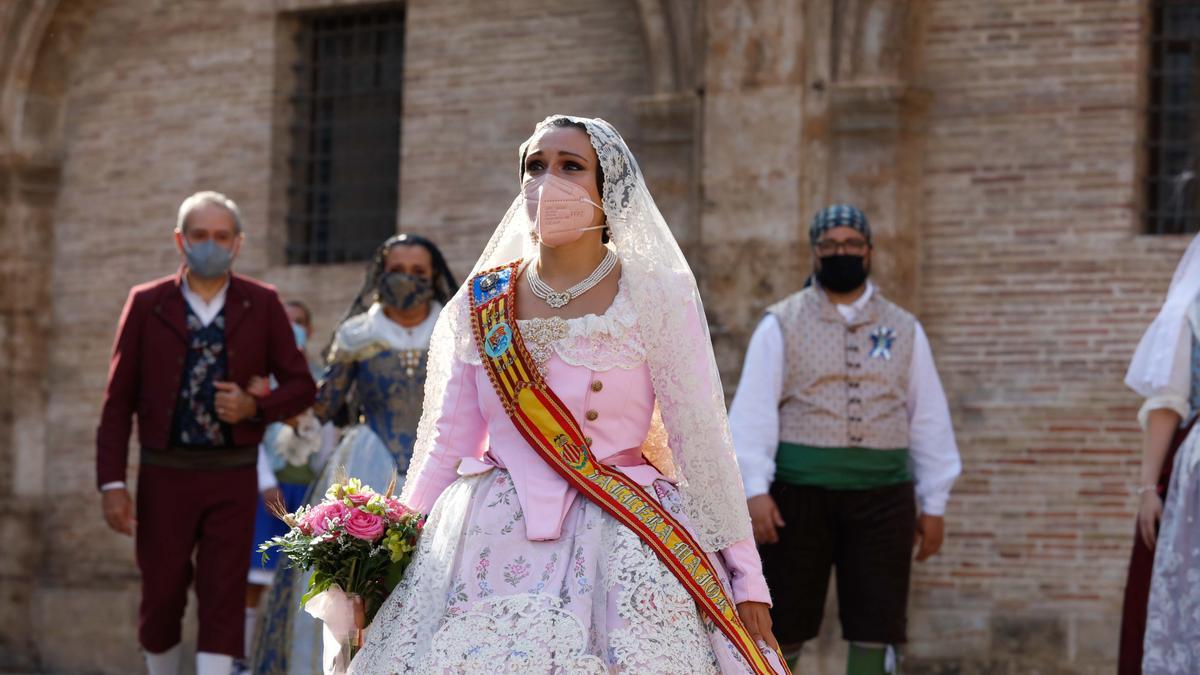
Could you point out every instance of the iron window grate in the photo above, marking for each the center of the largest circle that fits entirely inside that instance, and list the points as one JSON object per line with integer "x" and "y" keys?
{"x": 1173, "y": 119}
{"x": 344, "y": 159}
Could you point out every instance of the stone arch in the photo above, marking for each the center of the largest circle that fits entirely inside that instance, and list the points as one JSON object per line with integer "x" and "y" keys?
{"x": 874, "y": 40}
{"x": 24, "y": 23}
{"x": 804, "y": 104}
{"x": 44, "y": 36}
{"x": 39, "y": 41}
{"x": 865, "y": 111}
{"x": 668, "y": 29}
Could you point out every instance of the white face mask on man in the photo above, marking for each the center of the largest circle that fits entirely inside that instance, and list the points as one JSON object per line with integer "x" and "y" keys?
{"x": 560, "y": 210}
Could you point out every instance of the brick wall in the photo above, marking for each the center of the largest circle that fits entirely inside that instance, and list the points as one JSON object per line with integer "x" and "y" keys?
{"x": 1032, "y": 280}
{"x": 1035, "y": 286}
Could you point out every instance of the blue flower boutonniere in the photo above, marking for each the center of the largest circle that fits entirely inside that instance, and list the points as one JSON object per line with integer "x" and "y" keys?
{"x": 882, "y": 339}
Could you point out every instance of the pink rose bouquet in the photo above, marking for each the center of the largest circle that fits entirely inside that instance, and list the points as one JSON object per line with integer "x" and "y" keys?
{"x": 355, "y": 540}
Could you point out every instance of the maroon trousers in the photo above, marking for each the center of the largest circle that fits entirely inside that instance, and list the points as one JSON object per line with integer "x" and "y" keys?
{"x": 1137, "y": 584}
{"x": 208, "y": 513}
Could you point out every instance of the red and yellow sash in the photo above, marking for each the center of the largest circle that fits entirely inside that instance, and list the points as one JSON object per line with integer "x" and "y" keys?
{"x": 555, "y": 435}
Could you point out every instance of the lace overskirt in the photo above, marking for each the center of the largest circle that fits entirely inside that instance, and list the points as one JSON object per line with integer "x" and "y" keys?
{"x": 1172, "y": 642}
{"x": 480, "y": 597}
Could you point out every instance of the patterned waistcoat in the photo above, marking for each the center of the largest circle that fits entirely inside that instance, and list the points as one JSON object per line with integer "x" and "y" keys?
{"x": 845, "y": 383}
{"x": 196, "y": 422}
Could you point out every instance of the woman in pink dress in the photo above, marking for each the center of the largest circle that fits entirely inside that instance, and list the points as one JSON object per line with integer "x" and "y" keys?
{"x": 516, "y": 571}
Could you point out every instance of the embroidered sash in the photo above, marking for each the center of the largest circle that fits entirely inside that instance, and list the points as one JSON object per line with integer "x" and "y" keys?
{"x": 552, "y": 431}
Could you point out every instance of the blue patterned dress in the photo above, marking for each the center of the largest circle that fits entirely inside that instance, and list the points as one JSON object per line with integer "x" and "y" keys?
{"x": 376, "y": 371}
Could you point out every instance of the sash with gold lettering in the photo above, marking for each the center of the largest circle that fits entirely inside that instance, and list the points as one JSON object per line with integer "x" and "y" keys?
{"x": 556, "y": 436}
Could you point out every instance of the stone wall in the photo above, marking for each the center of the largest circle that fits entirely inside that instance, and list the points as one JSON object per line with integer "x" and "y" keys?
{"x": 162, "y": 98}
{"x": 995, "y": 144}
{"x": 32, "y": 83}
{"x": 1036, "y": 284}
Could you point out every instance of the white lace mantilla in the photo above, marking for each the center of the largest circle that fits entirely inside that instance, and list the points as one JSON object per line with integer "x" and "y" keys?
{"x": 672, "y": 340}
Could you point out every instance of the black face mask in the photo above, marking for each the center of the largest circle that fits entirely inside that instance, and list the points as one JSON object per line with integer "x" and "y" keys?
{"x": 842, "y": 273}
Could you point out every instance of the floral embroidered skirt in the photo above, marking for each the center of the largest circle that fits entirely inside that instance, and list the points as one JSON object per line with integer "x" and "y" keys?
{"x": 1172, "y": 643}
{"x": 480, "y": 597}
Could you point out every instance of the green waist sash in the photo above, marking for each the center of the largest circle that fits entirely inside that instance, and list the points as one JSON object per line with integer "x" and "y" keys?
{"x": 292, "y": 473}
{"x": 841, "y": 468}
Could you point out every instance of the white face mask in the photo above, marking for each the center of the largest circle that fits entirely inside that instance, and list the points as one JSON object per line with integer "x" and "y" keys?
{"x": 560, "y": 210}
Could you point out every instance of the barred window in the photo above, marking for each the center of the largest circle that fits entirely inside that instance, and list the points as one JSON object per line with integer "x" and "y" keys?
{"x": 344, "y": 159}
{"x": 1173, "y": 119}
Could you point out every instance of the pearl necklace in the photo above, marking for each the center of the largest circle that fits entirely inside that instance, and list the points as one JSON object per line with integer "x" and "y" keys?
{"x": 559, "y": 300}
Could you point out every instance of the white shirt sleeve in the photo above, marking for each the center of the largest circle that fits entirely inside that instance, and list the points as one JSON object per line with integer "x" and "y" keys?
{"x": 266, "y": 476}
{"x": 754, "y": 414}
{"x": 933, "y": 452}
{"x": 115, "y": 485}
{"x": 1175, "y": 396}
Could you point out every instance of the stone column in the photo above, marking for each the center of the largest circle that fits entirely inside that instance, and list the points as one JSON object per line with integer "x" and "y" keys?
{"x": 669, "y": 116}
{"x": 805, "y": 104}
{"x": 750, "y": 208}
{"x": 863, "y": 120}
{"x": 38, "y": 41}
{"x": 24, "y": 322}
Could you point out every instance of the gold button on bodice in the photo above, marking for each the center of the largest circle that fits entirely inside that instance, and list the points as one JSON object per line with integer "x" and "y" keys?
{"x": 597, "y": 385}
{"x": 592, "y": 415}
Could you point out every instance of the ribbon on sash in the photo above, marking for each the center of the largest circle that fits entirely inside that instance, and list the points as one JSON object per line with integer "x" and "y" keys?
{"x": 552, "y": 431}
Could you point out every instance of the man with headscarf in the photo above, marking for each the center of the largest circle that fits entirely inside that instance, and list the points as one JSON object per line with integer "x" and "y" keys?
{"x": 839, "y": 415}
{"x": 186, "y": 350}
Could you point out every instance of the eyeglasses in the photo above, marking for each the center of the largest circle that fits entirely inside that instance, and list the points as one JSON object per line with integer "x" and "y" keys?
{"x": 828, "y": 247}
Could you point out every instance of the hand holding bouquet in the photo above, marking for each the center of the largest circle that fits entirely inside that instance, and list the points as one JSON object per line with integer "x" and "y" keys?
{"x": 357, "y": 543}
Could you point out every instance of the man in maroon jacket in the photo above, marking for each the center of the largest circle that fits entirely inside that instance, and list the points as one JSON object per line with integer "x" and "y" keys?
{"x": 186, "y": 349}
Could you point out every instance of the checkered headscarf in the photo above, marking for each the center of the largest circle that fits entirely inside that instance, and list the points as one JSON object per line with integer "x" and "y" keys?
{"x": 838, "y": 215}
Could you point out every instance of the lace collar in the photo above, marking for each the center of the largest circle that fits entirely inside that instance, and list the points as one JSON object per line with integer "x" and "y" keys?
{"x": 595, "y": 341}
{"x": 373, "y": 330}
